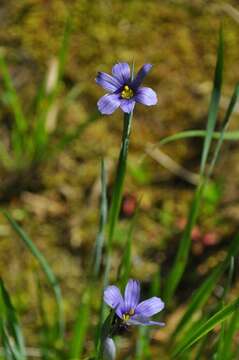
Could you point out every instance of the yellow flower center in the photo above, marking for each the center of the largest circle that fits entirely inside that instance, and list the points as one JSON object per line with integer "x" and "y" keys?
{"x": 127, "y": 92}
{"x": 128, "y": 315}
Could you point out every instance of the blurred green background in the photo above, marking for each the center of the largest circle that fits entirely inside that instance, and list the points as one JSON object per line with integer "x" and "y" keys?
{"x": 57, "y": 202}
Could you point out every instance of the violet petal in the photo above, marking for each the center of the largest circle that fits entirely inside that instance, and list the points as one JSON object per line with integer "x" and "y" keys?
{"x": 146, "y": 96}
{"x": 141, "y": 75}
{"x": 149, "y": 307}
{"x": 108, "y": 82}
{"x": 108, "y": 103}
{"x": 113, "y": 298}
{"x": 143, "y": 321}
{"x": 127, "y": 105}
{"x": 131, "y": 295}
{"x": 121, "y": 72}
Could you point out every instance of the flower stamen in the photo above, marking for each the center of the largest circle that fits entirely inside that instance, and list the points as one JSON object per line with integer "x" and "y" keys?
{"x": 127, "y": 92}
{"x": 128, "y": 315}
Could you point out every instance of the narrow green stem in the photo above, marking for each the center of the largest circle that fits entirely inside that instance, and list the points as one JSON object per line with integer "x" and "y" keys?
{"x": 120, "y": 175}
{"x": 114, "y": 212}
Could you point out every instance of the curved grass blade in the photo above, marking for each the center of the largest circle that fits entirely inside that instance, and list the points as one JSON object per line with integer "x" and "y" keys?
{"x": 231, "y": 328}
{"x": 71, "y": 136}
{"x": 188, "y": 134}
{"x": 214, "y": 103}
{"x": 45, "y": 267}
{"x": 20, "y": 125}
{"x": 125, "y": 266}
{"x": 201, "y": 296}
{"x": 10, "y": 330}
{"x": 180, "y": 262}
{"x": 120, "y": 175}
{"x": 103, "y": 218}
{"x": 208, "y": 325}
{"x": 81, "y": 326}
{"x": 220, "y": 354}
{"x": 47, "y": 98}
{"x": 12, "y": 97}
{"x": 225, "y": 125}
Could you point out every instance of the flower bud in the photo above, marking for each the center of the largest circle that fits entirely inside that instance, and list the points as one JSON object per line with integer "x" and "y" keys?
{"x": 109, "y": 349}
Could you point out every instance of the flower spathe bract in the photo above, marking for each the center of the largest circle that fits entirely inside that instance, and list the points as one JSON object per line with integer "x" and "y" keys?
{"x": 123, "y": 91}
{"x": 109, "y": 349}
{"x": 129, "y": 309}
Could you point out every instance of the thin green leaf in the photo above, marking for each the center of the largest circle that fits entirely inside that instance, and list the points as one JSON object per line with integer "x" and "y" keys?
{"x": 188, "y": 134}
{"x": 74, "y": 134}
{"x": 125, "y": 266}
{"x": 220, "y": 355}
{"x": 206, "y": 327}
{"x": 12, "y": 97}
{"x": 81, "y": 326}
{"x": 180, "y": 262}
{"x": 120, "y": 175}
{"x": 10, "y": 329}
{"x": 225, "y": 125}
{"x": 227, "y": 349}
{"x": 46, "y": 99}
{"x": 214, "y": 103}
{"x": 103, "y": 218}
{"x": 142, "y": 345}
{"x": 203, "y": 293}
{"x": 45, "y": 267}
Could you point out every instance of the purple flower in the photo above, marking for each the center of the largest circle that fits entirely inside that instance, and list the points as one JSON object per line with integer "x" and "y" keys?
{"x": 123, "y": 91}
{"x": 129, "y": 309}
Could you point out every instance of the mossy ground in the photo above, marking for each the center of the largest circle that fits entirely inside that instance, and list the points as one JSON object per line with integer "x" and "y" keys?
{"x": 180, "y": 39}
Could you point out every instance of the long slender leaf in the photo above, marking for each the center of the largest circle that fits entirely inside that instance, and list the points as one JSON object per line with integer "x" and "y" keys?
{"x": 183, "y": 250}
{"x": 12, "y": 97}
{"x": 45, "y": 267}
{"x": 180, "y": 262}
{"x": 220, "y": 355}
{"x": 214, "y": 103}
{"x": 227, "y": 349}
{"x": 118, "y": 186}
{"x": 10, "y": 330}
{"x": 81, "y": 326}
{"x": 47, "y": 99}
{"x": 103, "y": 218}
{"x": 188, "y": 134}
{"x": 206, "y": 327}
{"x": 225, "y": 124}
{"x": 204, "y": 291}
{"x": 125, "y": 266}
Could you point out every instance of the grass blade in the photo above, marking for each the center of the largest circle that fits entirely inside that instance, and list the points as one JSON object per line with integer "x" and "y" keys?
{"x": 103, "y": 218}
{"x": 214, "y": 103}
{"x": 125, "y": 266}
{"x": 218, "y": 318}
{"x": 118, "y": 186}
{"x": 12, "y": 97}
{"x": 180, "y": 262}
{"x": 203, "y": 293}
{"x": 10, "y": 329}
{"x": 47, "y": 97}
{"x": 71, "y": 136}
{"x": 225, "y": 124}
{"x": 45, "y": 267}
{"x": 81, "y": 326}
{"x": 227, "y": 349}
{"x": 189, "y": 134}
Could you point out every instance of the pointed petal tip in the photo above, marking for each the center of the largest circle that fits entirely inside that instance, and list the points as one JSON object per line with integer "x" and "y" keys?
{"x": 146, "y": 96}
{"x": 108, "y": 103}
{"x": 112, "y": 296}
